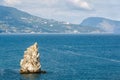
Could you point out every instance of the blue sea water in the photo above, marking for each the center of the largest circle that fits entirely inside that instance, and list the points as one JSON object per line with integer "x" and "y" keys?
{"x": 64, "y": 57}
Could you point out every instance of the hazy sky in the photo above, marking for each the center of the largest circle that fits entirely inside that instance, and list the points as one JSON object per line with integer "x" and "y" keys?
{"x": 73, "y": 11}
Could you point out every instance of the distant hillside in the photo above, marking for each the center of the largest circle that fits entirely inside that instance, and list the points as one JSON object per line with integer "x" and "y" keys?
{"x": 106, "y": 25}
{"x": 13, "y": 20}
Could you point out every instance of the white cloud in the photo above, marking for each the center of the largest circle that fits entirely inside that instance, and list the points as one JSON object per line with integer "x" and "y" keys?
{"x": 107, "y": 27}
{"x": 80, "y": 4}
{"x": 11, "y": 2}
{"x": 68, "y": 10}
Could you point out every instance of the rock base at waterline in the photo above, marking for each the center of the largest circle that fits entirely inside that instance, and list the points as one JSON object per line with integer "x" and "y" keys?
{"x": 27, "y": 72}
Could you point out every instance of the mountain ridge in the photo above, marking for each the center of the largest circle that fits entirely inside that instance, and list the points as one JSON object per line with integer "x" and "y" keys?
{"x": 105, "y": 24}
{"x": 13, "y": 20}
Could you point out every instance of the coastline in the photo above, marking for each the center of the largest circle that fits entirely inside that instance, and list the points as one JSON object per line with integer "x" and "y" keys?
{"x": 58, "y": 34}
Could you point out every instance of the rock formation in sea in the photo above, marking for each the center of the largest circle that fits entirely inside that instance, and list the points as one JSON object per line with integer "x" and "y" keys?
{"x": 30, "y": 62}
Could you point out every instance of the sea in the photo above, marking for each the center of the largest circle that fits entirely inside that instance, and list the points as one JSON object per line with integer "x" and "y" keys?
{"x": 63, "y": 56}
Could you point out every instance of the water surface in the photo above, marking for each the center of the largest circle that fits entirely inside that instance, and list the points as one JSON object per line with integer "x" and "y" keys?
{"x": 64, "y": 57}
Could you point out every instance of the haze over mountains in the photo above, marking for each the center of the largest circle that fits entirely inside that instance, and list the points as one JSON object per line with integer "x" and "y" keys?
{"x": 109, "y": 26}
{"x": 13, "y": 20}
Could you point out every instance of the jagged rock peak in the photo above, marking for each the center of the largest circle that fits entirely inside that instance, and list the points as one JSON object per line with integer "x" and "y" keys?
{"x": 30, "y": 62}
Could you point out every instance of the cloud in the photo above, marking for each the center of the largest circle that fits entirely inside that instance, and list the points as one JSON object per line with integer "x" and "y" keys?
{"x": 67, "y": 10}
{"x": 107, "y": 27}
{"x": 11, "y": 2}
{"x": 79, "y": 4}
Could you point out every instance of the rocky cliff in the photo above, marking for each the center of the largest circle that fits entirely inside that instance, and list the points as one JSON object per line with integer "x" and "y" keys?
{"x": 30, "y": 62}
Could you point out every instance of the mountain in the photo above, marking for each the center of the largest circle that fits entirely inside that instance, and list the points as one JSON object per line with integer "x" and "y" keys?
{"x": 106, "y": 25}
{"x": 13, "y": 20}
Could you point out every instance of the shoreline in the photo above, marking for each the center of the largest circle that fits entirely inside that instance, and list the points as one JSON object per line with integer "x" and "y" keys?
{"x": 58, "y": 34}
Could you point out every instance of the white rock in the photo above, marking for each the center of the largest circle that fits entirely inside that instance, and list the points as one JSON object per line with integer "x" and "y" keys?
{"x": 30, "y": 62}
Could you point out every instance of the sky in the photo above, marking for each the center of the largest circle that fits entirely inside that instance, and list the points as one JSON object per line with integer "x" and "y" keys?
{"x": 73, "y": 11}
